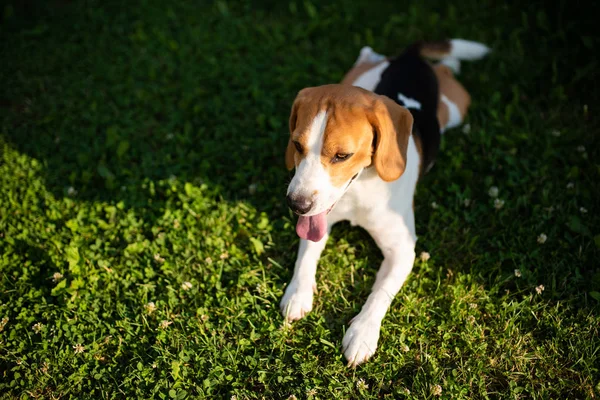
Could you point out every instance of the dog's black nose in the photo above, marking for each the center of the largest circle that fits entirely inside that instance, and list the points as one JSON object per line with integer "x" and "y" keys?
{"x": 300, "y": 205}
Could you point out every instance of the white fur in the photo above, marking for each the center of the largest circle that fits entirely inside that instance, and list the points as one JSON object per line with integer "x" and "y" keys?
{"x": 384, "y": 209}
{"x": 298, "y": 297}
{"x": 368, "y": 55}
{"x": 454, "y": 118}
{"x": 452, "y": 63}
{"x": 408, "y": 102}
{"x": 468, "y": 50}
{"x": 465, "y": 50}
{"x": 371, "y": 78}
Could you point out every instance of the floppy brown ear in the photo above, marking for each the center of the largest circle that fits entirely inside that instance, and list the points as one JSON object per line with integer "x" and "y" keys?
{"x": 392, "y": 125}
{"x": 289, "y": 152}
{"x": 289, "y": 156}
{"x": 291, "y": 149}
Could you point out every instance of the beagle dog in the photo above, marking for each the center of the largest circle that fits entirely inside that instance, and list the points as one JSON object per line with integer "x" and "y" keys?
{"x": 358, "y": 149}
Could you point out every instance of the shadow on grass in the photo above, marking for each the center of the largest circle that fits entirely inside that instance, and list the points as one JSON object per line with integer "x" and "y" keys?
{"x": 109, "y": 110}
{"x": 112, "y": 98}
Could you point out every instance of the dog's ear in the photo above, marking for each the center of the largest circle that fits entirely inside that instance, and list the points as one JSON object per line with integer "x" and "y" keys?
{"x": 289, "y": 152}
{"x": 289, "y": 156}
{"x": 291, "y": 149}
{"x": 392, "y": 126}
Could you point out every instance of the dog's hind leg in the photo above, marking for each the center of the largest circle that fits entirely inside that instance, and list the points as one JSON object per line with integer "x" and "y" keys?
{"x": 454, "y": 99}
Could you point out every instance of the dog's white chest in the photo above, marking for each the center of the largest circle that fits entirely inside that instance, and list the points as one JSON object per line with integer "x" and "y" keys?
{"x": 366, "y": 197}
{"x": 370, "y": 202}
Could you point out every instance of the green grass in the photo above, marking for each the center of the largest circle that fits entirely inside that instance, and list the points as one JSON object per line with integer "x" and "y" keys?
{"x": 142, "y": 147}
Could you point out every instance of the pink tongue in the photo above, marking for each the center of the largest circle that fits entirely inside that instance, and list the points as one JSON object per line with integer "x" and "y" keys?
{"x": 313, "y": 227}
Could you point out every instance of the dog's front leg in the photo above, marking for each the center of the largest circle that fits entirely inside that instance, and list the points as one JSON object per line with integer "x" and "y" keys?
{"x": 298, "y": 298}
{"x": 361, "y": 338}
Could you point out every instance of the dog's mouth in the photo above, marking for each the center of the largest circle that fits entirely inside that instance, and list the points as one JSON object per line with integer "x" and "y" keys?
{"x": 314, "y": 227}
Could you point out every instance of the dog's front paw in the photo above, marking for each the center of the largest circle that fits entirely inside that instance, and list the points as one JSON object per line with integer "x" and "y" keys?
{"x": 296, "y": 302}
{"x": 360, "y": 340}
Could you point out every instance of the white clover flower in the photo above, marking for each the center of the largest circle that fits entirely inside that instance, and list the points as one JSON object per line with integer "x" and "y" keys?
{"x": 556, "y": 133}
{"x": 57, "y": 276}
{"x": 186, "y": 285}
{"x": 71, "y": 191}
{"x": 466, "y": 129}
{"x": 434, "y": 205}
{"x": 150, "y": 307}
{"x": 78, "y": 348}
{"x": 292, "y": 397}
{"x": 425, "y": 256}
{"x": 208, "y": 260}
{"x": 170, "y": 136}
{"x": 260, "y": 289}
{"x": 37, "y": 327}
{"x": 471, "y": 319}
{"x": 570, "y": 185}
{"x": 158, "y": 258}
{"x": 583, "y": 210}
{"x": 224, "y": 256}
{"x": 498, "y": 204}
{"x": 467, "y": 202}
{"x": 539, "y": 289}
{"x": 542, "y": 238}
{"x": 405, "y": 348}
{"x": 581, "y": 148}
{"x": 361, "y": 384}
{"x": 312, "y": 392}
{"x": 252, "y": 188}
{"x": 493, "y": 192}
{"x": 518, "y": 273}
{"x": 165, "y": 324}
{"x": 436, "y": 390}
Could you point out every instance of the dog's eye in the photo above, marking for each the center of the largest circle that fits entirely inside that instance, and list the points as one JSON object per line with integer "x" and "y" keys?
{"x": 339, "y": 157}
{"x": 298, "y": 146}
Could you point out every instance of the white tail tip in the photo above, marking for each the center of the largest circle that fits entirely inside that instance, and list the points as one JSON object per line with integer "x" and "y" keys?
{"x": 468, "y": 50}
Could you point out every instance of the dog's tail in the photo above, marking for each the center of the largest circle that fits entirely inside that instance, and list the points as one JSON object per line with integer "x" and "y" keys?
{"x": 452, "y": 52}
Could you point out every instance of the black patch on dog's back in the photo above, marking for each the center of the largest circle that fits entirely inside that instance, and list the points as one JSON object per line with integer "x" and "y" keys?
{"x": 410, "y": 75}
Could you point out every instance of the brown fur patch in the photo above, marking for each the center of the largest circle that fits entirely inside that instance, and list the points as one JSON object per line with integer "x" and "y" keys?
{"x": 453, "y": 90}
{"x": 419, "y": 146}
{"x": 435, "y": 50}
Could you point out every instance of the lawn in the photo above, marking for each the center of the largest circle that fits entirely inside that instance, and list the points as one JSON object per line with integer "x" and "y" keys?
{"x": 145, "y": 242}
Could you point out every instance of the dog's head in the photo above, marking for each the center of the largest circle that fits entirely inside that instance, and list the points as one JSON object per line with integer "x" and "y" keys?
{"x": 335, "y": 132}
